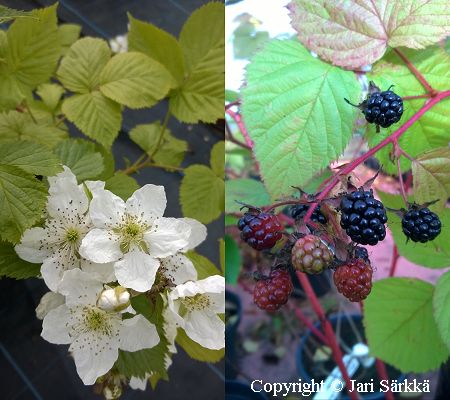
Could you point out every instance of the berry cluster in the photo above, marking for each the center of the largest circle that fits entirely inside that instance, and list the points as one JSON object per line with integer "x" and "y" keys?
{"x": 363, "y": 217}
{"x": 311, "y": 255}
{"x": 260, "y": 230}
{"x": 354, "y": 279}
{"x": 421, "y": 225}
{"x": 299, "y": 211}
{"x": 272, "y": 292}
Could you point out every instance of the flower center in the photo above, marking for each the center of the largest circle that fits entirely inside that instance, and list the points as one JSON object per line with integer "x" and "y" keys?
{"x": 97, "y": 320}
{"x": 196, "y": 303}
{"x": 131, "y": 233}
{"x": 72, "y": 235}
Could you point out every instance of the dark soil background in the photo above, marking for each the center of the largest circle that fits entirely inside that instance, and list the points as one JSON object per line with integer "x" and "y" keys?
{"x": 31, "y": 368}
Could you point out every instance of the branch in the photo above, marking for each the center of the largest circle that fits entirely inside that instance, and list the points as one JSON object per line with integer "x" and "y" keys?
{"x": 237, "y": 118}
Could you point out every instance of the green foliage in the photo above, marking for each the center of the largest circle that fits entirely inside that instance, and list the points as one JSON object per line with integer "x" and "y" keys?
{"x": 441, "y": 306}
{"x": 233, "y": 261}
{"x": 11, "y": 266}
{"x": 51, "y": 94}
{"x": 68, "y": 35}
{"x": 203, "y": 266}
{"x": 8, "y": 14}
{"x": 196, "y": 351}
{"x": 249, "y": 191}
{"x": 399, "y": 318}
{"x": 294, "y": 110}
{"x": 217, "y": 159}
{"x": 122, "y": 185}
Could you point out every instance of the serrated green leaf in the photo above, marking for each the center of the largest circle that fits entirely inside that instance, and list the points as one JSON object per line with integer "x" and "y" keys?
{"x": 68, "y": 35}
{"x": 122, "y": 185}
{"x": 22, "y": 201}
{"x": 81, "y": 67}
{"x": 8, "y": 14}
{"x": 11, "y": 266}
{"x": 294, "y": 110}
{"x": 196, "y": 351}
{"x": 398, "y": 317}
{"x": 81, "y": 157}
{"x": 431, "y": 130}
{"x": 201, "y": 194}
{"x": 203, "y": 265}
{"x": 50, "y": 93}
{"x": 217, "y": 159}
{"x": 31, "y": 157}
{"x": 109, "y": 163}
{"x": 95, "y": 115}
{"x": 171, "y": 151}
{"x": 19, "y": 126}
{"x": 247, "y": 191}
{"x": 441, "y": 307}
{"x": 157, "y": 44}
{"x": 201, "y": 97}
{"x": 135, "y": 80}
{"x": 431, "y": 177}
{"x": 33, "y": 47}
{"x": 233, "y": 261}
{"x": 434, "y": 254}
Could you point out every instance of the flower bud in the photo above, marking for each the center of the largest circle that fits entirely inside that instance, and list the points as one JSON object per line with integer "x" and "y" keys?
{"x": 114, "y": 299}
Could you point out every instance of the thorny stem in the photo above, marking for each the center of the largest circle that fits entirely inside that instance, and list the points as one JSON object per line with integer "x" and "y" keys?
{"x": 305, "y": 320}
{"x": 237, "y": 118}
{"x": 232, "y": 139}
{"x": 328, "y": 329}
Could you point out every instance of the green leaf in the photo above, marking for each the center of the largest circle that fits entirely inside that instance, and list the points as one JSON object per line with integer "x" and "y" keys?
{"x": 157, "y": 44}
{"x": 434, "y": 254}
{"x": 31, "y": 157}
{"x": 203, "y": 265}
{"x": 95, "y": 115}
{"x": 233, "y": 261}
{"x": 122, "y": 185}
{"x": 8, "y": 14}
{"x": 248, "y": 191}
{"x": 68, "y": 35}
{"x": 196, "y": 351}
{"x": 81, "y": 67}
{"x": 201, "y": 194}
{"x": 50, "y": 93}
{"x": 22, "y": 201}
{"x": 12, "y": 266}
{"x": 441, "y": 307}
{"x": 431, "y": 177}
{"x": 398, "y": 317}
{"x": 135, "y": 80}
{"x": 81, "y": 157}
{"x": 20, "y": 126}
{"x": 33, "y": 47}
{"x": 294, "y": 110}
{"x": 217, "y": 159}
{"x": 430, "y": 131}
{"x": 367, "y": 28}
{"x": 201, "y": 97}
{"x": 171, "y": 150}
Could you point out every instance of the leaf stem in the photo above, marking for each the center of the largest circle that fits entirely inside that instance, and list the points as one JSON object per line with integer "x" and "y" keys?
{"x": 161, "y": 134}
{"x": 237, "y": 118}
{"x": 394, "y": 260}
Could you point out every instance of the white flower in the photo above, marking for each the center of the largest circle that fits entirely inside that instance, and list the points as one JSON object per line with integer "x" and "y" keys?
{"x": 178, "y": 268}
{"x": 133, "y": 234}
{"x": 94, "y": 334}
{"x": 114, "y": 299}
{"x": 49, "y": 301}
{"x": 195, "y": 306}
{"x": 56, "y": 244}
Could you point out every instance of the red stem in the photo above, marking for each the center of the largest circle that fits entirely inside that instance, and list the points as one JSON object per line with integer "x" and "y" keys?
{"x": 237, "y": 118}
{"x": 416, "y": 72}
{"x": 419, "y": 96}
{"x": 401, "y": 184}
{"x": 383, "y": 375}
{"x": 394, "y": 260}
{"x": 303, "y": 318}
{"x": 328, "y": 329}
{"x": 392, "y": 139}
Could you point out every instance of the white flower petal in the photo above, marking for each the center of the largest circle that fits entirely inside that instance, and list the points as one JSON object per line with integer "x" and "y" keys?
{"x": 55, "y": 327}
{"x": 217, "y": 302}
{"x": 95, "y": 186}
{"x": 167, "y": 237}
{"x": 66, "y": 174}
{"x": 53, "y": 268}
{"x": 105, "y": 272}
{"x": 137, "y": 383}
{"x": 170, "y": 327}
{"x": 137, "y": 270}
{"x": 178, "y": 268}
{"x": 49, "y": 301}
{"x": 94, "y": 355}
{"x": 198, "y": 233}
{"x": 207, "y": 329}
{"x": 100, "y": 246}
{"x": 148, "y": 202}
{"x": 138, "y": 333}
{"x": 80, "y": 287}
{"x": 106, "y": 209}
{"x": 30, "y": 247}
{"x": 211, "y": 284}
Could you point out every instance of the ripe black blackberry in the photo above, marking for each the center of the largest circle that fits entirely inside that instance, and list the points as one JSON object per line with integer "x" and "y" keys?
{"x": 260, "y": 230}
{"x": 299, "y": 211}
{"x": 363, "y": 217}
{"x": 271, "y": 292}
{"x": 420, "y": 224}
{"x": 382, "y": 108}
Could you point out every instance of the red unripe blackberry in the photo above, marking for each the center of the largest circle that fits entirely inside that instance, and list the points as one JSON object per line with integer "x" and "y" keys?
{"x": 311, "y": 255}
{"x": 421, "y": 225}
{"x": 272, "y": 292}
{"x": 260, "y": 230}
{"x": 354, "y": 279}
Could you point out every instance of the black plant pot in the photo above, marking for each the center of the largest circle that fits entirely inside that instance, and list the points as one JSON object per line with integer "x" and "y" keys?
{"x": 443, "y": 388}
{"x": 233, "y": 313}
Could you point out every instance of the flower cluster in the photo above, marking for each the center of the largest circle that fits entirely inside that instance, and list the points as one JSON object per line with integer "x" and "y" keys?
{"x": 98, "y": 252}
